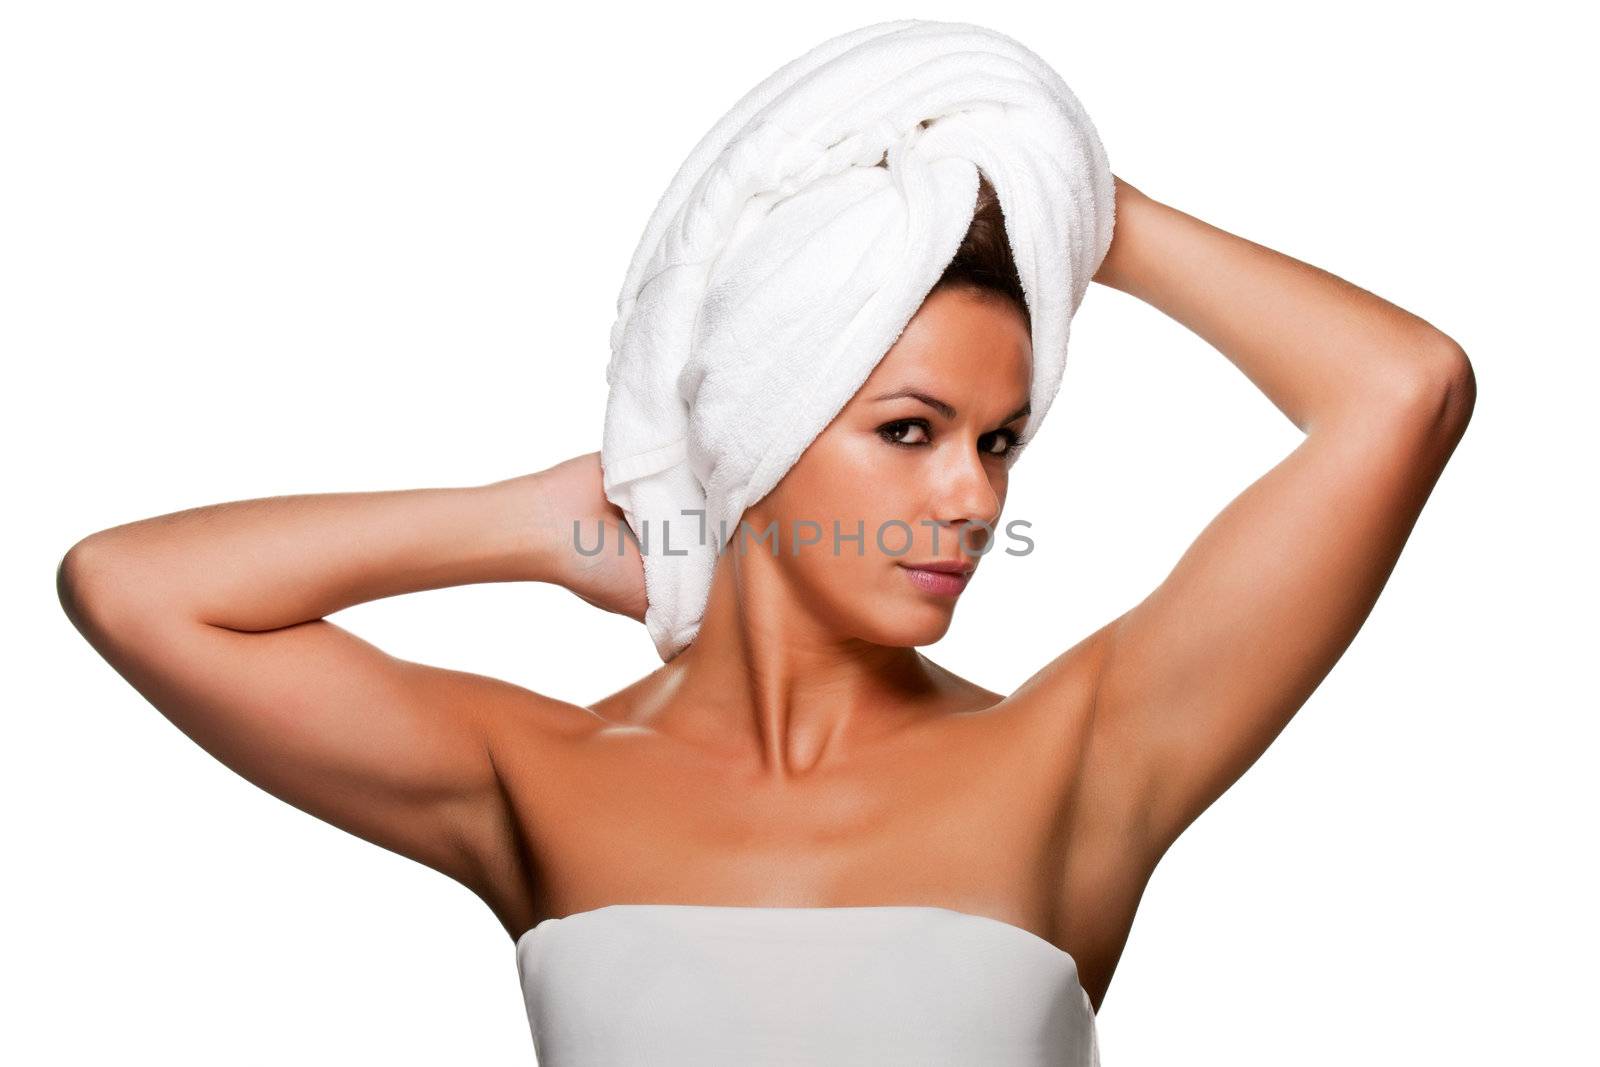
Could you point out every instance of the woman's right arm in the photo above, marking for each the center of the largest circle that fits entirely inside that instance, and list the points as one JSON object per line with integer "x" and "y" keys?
{"x": 215, "y": 615}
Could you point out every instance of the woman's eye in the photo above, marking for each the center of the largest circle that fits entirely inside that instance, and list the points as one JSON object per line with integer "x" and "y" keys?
{"x": 896, "y": 432}
{"x": 915, "y": 432}
{"x": 1003, "y": 438}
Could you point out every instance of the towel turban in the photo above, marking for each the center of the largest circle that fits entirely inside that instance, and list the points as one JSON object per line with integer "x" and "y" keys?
{"x": 793, "y": 246}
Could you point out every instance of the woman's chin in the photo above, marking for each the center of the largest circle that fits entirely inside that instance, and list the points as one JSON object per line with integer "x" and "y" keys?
{"x": 915, "y": 624}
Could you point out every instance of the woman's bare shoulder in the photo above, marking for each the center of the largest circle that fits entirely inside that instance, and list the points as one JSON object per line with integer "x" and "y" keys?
{"x": 518, "y": 715}
{"x": 1068, "y": 681}
{"x": 633, "y": 703}
{"x": 1065, "y": 682}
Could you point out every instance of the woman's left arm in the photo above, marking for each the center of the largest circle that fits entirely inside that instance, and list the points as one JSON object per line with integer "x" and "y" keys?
{"x": 1197, "y": 679}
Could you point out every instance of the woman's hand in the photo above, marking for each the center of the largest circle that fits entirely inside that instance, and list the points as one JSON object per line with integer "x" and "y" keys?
{"x": 571, "y": 493}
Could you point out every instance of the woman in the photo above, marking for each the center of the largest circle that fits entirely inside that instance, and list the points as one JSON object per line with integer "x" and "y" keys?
{"x": 801, "y": 840}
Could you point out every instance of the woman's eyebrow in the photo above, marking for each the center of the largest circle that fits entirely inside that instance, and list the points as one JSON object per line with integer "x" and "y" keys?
{"x": 945, "y": 409}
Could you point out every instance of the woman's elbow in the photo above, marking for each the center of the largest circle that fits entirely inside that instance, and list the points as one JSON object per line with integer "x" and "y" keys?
{"x": 88, "y": 583}
{"x": 73, "y": 582}
{"x": 1461, "y": 387}
{"x": 1437, "y": 385}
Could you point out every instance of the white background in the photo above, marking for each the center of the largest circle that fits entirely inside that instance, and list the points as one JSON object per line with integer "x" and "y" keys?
{"x": 260, "y": 249}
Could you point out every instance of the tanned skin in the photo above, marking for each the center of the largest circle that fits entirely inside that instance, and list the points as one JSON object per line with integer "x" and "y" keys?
{"x": 802, "y": 752}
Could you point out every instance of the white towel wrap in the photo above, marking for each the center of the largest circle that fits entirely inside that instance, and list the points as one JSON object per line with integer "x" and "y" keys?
{"x": 783, "y": 262}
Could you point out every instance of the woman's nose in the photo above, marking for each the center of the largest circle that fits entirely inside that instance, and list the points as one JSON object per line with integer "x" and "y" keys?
{"x": 967, "y": 494}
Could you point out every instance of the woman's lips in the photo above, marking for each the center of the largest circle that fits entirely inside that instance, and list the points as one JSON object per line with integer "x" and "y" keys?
{"x": 943, "y": 583}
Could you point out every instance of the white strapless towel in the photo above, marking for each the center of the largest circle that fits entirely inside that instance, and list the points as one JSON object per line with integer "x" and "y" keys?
{"x": 709, "y": 985}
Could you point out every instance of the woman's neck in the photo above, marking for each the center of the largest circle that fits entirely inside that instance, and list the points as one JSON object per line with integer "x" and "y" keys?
{"x": 765, "y": 679}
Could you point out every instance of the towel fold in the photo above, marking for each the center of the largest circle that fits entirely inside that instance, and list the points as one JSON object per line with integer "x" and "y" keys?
{"x": 793, "y": 246}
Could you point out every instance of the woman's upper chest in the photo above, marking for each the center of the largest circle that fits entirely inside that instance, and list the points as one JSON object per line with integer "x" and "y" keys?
{"x": 966, "y": 811}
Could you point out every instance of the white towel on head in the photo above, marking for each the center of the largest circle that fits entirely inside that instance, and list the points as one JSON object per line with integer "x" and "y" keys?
{"x": 783, "y": 262}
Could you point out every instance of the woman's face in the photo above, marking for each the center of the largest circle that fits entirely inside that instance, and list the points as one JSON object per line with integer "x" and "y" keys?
{"x": 915, "y": 463}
